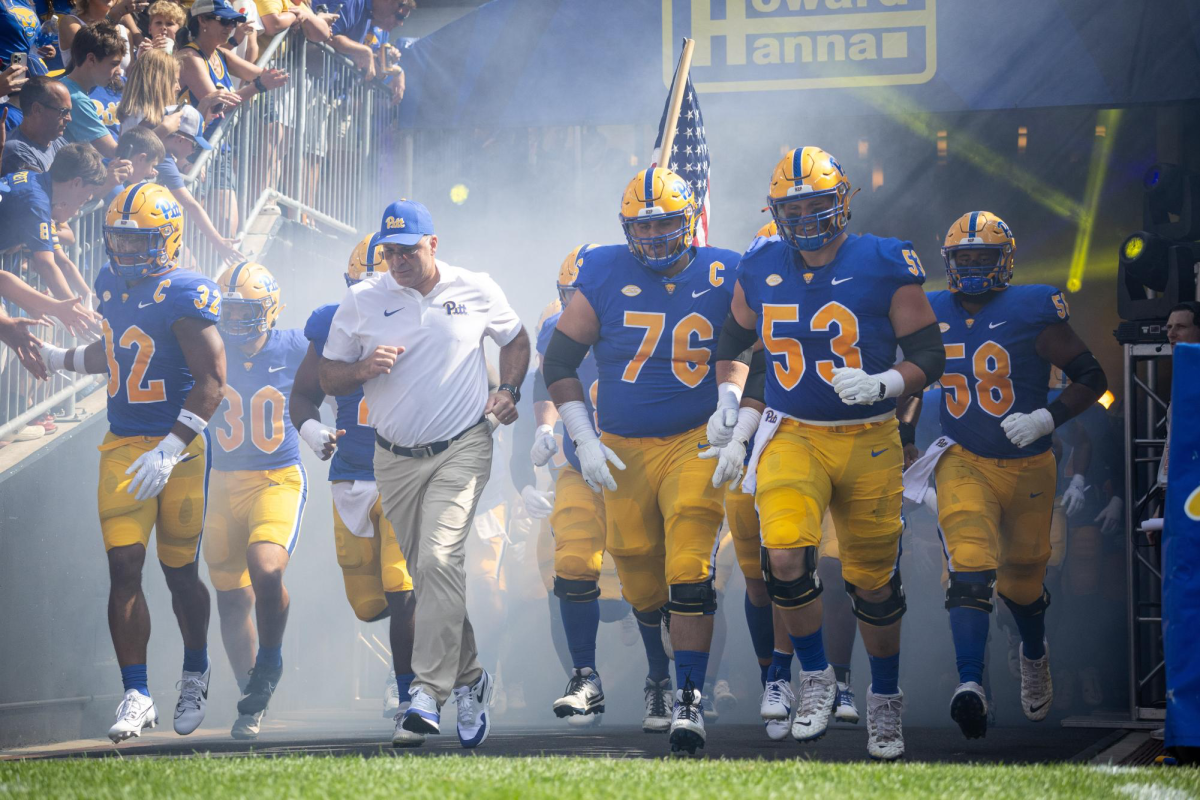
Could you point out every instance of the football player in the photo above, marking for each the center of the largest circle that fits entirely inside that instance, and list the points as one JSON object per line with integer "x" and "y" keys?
{"x": 578, "y": 524}
{"x": 651, "y": 311}
{"x": 378, "y": 584}
{"x": 830, "y": 309}
{"x": 166, "y": 377}
{"x": 993, "y": 466}
{"x": 259, "y": 487}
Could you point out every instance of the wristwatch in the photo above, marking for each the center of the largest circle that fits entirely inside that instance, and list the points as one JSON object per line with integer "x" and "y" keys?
{"x": 514, "y": 391}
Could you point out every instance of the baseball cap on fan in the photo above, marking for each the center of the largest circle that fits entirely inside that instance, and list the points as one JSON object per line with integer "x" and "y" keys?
{"x": 191, "y": 124}
{"x": 218, "y": 8}
{"x": 404, "y": 222}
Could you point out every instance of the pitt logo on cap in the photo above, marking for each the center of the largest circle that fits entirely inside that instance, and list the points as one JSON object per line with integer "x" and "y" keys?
{"x": 395, "y": 223}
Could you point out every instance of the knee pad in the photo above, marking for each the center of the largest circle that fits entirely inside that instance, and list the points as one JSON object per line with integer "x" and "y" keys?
{"x": 971, "y": 594}
{"x": 692, "y": 599}
{"x": 798, "y": 592}
{"x": 651, "y": 619}
{"x": 576, "y": 591}
{"x": 883, "y": 613}
{"x": 1038, "y": 606}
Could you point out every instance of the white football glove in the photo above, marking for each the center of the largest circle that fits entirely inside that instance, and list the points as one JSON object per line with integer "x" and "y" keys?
{"x": 1112, "y": 516}
{"x": 855, "y": 387}
{"x": 321, "y": 439}
{"x": 1073, "y": 498}
{"x": 154, "y": 467}
{"x": 593, "y": 463}
{"x": 1025, "y": 429}
{"x": 538, "y": 504}
{"x": 731, "y": 460}
{"x": 720, "y": 424}
{"x": 544, "y": 445}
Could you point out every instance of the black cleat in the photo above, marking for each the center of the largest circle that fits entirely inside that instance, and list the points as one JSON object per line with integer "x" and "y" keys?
{"x": 969, "y": 709}
{"x": 259, "y": 690}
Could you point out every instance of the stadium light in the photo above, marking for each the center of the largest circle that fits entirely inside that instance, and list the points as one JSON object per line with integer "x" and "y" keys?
{"x": 459, "y": 194}
{"x": 1097, "y": 172}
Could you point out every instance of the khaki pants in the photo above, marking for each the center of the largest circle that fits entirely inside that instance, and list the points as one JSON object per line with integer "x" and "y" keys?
{"x": 430, "y": 503}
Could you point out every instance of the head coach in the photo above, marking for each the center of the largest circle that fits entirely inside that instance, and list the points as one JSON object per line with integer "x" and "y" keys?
{"x": 413, "y": 339}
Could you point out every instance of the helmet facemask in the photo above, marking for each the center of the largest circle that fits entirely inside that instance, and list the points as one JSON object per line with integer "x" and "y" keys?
{"x": 244, "y": 319}
{"x": 659, "y": 251}
{"x": 813, "y": 231}
{"x": 988, "y": 274}
{"x": 137, "y": 252}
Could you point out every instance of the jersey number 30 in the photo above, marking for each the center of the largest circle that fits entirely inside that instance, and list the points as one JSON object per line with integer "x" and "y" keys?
{"x": 266, "y": 426}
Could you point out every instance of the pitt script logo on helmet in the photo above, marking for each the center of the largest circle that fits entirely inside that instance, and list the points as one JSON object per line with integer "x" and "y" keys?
{"x": 984, "y": 233}
{"x": 569, "y": 271}
{"x": 363, "y": 261}
{"x": 143, "y": 231}
{"x": 251, "y": 297}
{"x": 809, "y": 173}
{"x": 657, "y": 195}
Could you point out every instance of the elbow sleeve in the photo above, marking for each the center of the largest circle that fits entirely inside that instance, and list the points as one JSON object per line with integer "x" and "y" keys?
{"x": 1085, "y": 369}
{"x": 924, "y": 348}
{"x": 756, "y": 383}
{"x": 735, "y": 340}
{"x": 563, "y": 357}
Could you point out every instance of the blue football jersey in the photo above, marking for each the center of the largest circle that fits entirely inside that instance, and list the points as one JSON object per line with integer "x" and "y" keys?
{"x": 148, "y": 377}
{"x": 354, "y": 459}
{"x": 588, "y": 376}
{"x": 252, "y": 428}
{"x": 992, "y": 365}
{"x": 813, "y": 321}
{"x": 657, "y": 337}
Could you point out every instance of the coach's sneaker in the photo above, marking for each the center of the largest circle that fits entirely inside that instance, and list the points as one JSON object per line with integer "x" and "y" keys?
{"x": 391, "y": 697}
{"x": 246, "y": 726}
{"x": 969, "y": 708}
{"x": 193, "y": 697}
{"x": 844, "y": 709}
{"x": 658, "y": 706}
{"x": 584, "y": 695}
{"x": 422, "y": 714}
{"x": 403, "y": 737}
{"x": 1037, "y": 690}
{"x": 135, "y": 713}
{"x": 474, "y": 718}
{"x": 777, "y": 700}
{"x": 724, "y": 698}
{"x": 687, "y": 721}
{"x": 259, "y": 689}
{"x": 814, "y": 704}
{"x": 885, "y": 735}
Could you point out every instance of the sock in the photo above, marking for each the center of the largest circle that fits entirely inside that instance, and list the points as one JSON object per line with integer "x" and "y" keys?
{"x": 648, "y": 626}
{"x": 841, "y": 672}
{"x": 763, "y": 669}
{"x": 134, "y": 677}
{"x": 969, "y": 629}
{"x": 781, "y": 666}
{"x": 269, "y": 657}
{"x": 1032, "y": 628}
{"x": 404, "y": 683}
{"x": 762, "y": 632}
{"x": 581, "y": 621}
{"x": 811, "y": 651}
{"x": 691, "y": 666}
{"x": 195, "y": 660}
{"x": 885, "y": 674}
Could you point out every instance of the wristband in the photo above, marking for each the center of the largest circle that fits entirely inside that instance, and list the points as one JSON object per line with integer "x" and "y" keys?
{"x": 729, "y": 394}
{"x": 55, "y": 358}
{"x": 258, "y": 84}
{"x": 893, "y": 384}
{"x": 193, "y": 421}
{"x": 172, "y": 445}
{"x": 908, "y": 434}
{"x": 577, "y": 421}
{"x": 747, "y": 424}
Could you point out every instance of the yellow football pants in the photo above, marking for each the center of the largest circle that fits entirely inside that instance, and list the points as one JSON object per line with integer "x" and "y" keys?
{"x": 743, "y": 527}
{"x": 579, "y": 529}
{"x": 371, "y": 568}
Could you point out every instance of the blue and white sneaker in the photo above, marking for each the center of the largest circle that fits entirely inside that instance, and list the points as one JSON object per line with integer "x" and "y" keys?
{"x": 474, "y": 720}
{"x": 844, "y": 709}
{"x": 422, "y": 715}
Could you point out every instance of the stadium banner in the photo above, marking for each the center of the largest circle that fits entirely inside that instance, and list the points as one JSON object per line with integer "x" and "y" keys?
{"x": 506, "y": 64}
{"x": 1181, "y": 554}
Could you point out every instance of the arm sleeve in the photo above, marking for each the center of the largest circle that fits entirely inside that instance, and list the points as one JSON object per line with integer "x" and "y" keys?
{"x": 344, "y": 343}
{"x": 503, "y": 324}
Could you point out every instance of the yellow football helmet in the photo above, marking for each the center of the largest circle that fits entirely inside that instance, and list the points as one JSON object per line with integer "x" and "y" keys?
{"x": 991, "y": 239}
{"x": 364, "y": 261}
{"x": 653, "y": 195}
{"x": 802, "y": 174}
{"x": 770, "y": 229}
{"x": 143, "y": 231}
{"x": 569, "y": 271}
{"x": 549, "y": 311}
{"x": 250, "y": 296}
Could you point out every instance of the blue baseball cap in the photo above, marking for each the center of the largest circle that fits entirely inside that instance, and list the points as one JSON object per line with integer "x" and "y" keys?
{"x": 404, "y": 222}
{"x": 220, "y": 9}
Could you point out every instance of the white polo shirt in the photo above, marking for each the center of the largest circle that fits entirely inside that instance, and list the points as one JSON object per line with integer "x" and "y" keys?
{"x": 438, "y": 387}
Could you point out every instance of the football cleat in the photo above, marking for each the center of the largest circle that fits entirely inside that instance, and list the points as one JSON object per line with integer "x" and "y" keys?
{"x": 777, "y": 729}
{"x": 723, "y": 697}
{"x": 1037, "y": 690}
{"x": 474, "y": 718}
{"x": 658, "y": 706}
{"x": 777, "y": 700}
{"x": 135, "y": 714}
{"x": 584, "y": 695}
{"x": 969, "y": 708}
{"x": 844, "y": 709}
{"x": 403, "y": 737}
{"x": 193, "y": 698}
{"x": 978, "y": 252}
{"x": 258, "y": 690}
{"x": 590, "y": 721}
{"x": 246, "y": 726}
{"x": 143, "y": 231}
{"x": 391, "y": 697}
{"x": 422, "y": 714}
{"x": 803, "y": 175}
{"x": 814, "y": 705}
{"x": 250, "y": 301}
{"x": 885, "y": 734}
{"x": 687, "y": 721}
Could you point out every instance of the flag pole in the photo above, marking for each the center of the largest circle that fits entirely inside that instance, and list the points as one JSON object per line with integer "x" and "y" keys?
{"x": 679, "y": 86}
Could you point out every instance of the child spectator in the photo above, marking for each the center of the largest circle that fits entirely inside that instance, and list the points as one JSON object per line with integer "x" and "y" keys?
{"x": 166, "y": 18}
{"x": 96, "y": 53}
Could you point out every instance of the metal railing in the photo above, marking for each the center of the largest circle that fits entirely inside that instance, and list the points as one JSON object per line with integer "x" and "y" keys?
{"x": 320, "y": 147}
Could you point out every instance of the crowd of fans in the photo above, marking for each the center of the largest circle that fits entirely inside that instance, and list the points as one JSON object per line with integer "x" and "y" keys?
{"x": 97, "y": 94}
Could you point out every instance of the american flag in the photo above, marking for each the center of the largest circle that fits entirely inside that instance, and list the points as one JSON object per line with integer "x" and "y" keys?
{"x": 689, "y": 153}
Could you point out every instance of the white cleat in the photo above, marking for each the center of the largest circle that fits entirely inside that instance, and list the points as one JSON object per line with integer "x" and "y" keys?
{"x": 777, "y": 729}
{"x": 844, "y": 708}
{"x": 777, "y": 701}
{"x": 885, "y": 734}
{"x": 135, "y": 714}
{"x": 193, "y": 698}
{"x": 584, "y": 695}
{"x": 723, "y": 697}
{"x": 687, "y": 722}
{"x": 590, "y": 721}
{"x": 969, "y": 708}
{"x": 474, "y": 717}
{"x": 814, "y": 704}
{"x": 404, "y": 737}
{"x": 391, "y": 697}
{"x": 247, "y": 726}
{"x": 1037, "y": 690}
{"x": 658, "y": 706}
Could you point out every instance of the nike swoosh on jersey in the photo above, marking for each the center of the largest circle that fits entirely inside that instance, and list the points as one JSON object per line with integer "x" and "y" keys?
{"x": 836, "y": 281}
{"x": 143, "y": 305}
{"x": 995, "y": 324}
{"x": 389, "y": 313}
{"x": 276, "y": 369}
{"x": 697, "y": 294}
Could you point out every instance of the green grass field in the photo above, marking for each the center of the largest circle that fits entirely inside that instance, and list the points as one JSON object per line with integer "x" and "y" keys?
{"x": 481, "y": 777}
